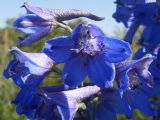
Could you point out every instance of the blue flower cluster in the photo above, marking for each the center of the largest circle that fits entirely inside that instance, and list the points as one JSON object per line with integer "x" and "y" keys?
{"x": 118, "y": 85}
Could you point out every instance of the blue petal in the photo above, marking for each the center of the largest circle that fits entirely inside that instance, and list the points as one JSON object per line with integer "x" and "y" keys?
{"x": 148, "y": 41}
{"x": 80, "y": 30}
{"x": 74, "y": 71}
{"x": 144, "y": 13}
{"x": 37, "y": 63}
{"x": 64, "y": 113}
{"x": 32, "y": 38}
{"x": 105, "y": 112}
{"x": 46, "y": 14}
{"x": 116, "y": 50}
{"x": 30, "y": 23}
{"x": 28, "y": 109}
{"x": 113, "y": 98}
{"x": 18, "y": 72}
{"x": 6, "y": 72}
{"x": 133, "y": 3}
{"x": 150, "y": 91}
{"x": 66, "y": 104}
{"x": 131, "y": 32}
{"x": 100, "y": 72}
{"x": 29, "y": 68}
{"x": 122, "y": 69}
{"x": 34, "y": 26}
{"x": 21, "y": 75}
{"x": 26, "y": 100}
{"x": 55, "y": 88}
{"x": 30, "y": 30}
{"x": 145, "y": 76}
{"x": 25, "y": 95}
{"x": 40, "y": 60}
{"x": 125, "y": 11}
{"x": 123, "y": 80}
{"x": 141, "y": 102}
{"x": 57, "y": 98}
{"x": 45, "y": 111}
{"x": 59, "y": 49}
{"x": 124, "y": 15}
{"x": 154, "y": 68}
{"x": 35, "y": 80}
{"x": 141, "y": 68}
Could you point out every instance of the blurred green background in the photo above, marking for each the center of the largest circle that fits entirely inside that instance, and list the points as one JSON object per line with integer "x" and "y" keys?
{"x": 8, "y": 90}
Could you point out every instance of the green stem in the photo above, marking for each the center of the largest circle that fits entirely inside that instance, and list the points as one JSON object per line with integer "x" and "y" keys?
{"x": 64, "y": 26}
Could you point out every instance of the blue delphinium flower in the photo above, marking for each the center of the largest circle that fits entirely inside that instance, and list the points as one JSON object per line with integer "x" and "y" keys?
{"x": 138, "y": 68}
{"x": 34, "y": 27}
{"x": 38, "y": 22}
{"x": 27, "y": 71}
{"x": 132, "y": 88}
{"x": 67, "y": 101}
{"x": 130, "y": 11}
{"x": 30, "y": 103}
{"x": 154, "y": 69}
{"x": 87, "y": 51}
{"x": 141, "y": 87}
{"x": 125, "y": 11}
{"x": 27, "y": 68}
{"x": 135, "y": 13}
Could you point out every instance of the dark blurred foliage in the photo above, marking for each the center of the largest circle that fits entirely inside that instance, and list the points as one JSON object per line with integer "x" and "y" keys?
{"x": 8, "y": 90}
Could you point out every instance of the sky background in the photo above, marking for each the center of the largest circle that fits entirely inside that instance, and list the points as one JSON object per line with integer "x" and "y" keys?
{"x": 11, "y": 8}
